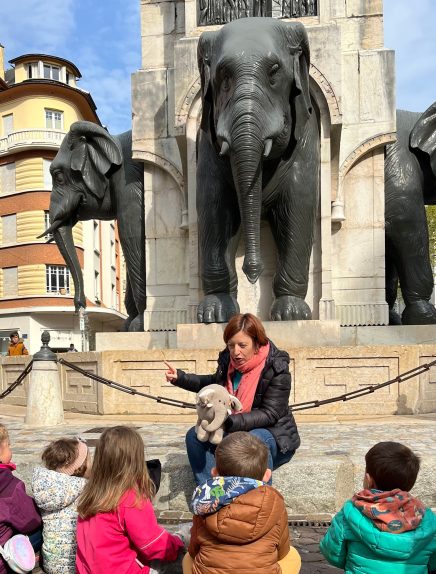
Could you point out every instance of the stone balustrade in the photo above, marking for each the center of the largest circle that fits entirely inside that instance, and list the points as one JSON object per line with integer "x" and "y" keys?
{"x": 32, "y": 137}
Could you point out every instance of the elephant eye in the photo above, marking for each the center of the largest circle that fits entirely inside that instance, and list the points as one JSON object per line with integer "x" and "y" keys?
{"x": 225, "y": 84}
{"x": 273, "y": 71}
{"x": 58, "y": 176}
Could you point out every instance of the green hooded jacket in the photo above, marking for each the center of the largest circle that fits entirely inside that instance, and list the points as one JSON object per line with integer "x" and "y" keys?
{"x": 355, "y": 544}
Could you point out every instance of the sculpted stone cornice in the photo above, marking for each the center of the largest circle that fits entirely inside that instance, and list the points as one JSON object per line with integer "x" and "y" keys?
{"x": 358, "y": 152}
{"x": 329, "y": 94}
{"x": 164, "y": 163}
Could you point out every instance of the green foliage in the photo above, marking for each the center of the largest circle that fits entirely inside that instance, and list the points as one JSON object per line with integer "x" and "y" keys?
{"x": 431, "y": 219}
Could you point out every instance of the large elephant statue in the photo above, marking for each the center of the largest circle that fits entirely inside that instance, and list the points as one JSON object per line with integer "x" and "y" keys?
{"x": 258, "y": 157}
{"x": 94, "y": 177}
{"x": 410, "y": 183}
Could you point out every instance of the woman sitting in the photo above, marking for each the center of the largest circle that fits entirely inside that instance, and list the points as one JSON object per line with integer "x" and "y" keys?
{"x": 257, "y": 373}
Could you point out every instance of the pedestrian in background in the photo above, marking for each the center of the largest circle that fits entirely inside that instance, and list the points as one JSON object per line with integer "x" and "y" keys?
{"x": 16, "y": 346}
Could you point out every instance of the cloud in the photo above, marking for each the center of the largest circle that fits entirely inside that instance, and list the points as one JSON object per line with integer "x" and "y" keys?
{"x": 102, "y": 39}
{"x": 409, "y": 29}
{"x": 35, "y": 25}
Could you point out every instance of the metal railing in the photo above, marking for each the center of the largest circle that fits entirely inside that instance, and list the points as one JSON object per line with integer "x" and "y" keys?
{"x": 31, "y": 137}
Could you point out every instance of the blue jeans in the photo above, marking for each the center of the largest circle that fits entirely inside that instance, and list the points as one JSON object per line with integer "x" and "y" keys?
{"x": 36, "y": 539}
{"x": 201, "y": 455}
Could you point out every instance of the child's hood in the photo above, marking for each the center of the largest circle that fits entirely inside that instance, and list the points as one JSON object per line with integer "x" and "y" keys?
{"x": 385, "y": 543}
{"x": 53, "y": 490}
{"x": 235, "y": 509}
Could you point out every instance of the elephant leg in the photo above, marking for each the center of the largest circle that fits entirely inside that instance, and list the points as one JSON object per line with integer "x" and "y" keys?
{"x": 216, "y": 436}
{"x": 292, "y": 218}
{"x": 218, "y": 226}
{"x": 407, "y": 242}
{"x": 132, "y": 236}
{"x": 202, "y": 434}
{"x": 391, "y": 286}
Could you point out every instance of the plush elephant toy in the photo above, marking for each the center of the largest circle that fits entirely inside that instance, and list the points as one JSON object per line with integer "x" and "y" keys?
{"x": 94, "y": 177}
{"x": 258, "y": 157}
{"x": 410, "y": 183}
{"x": 214, "y": 405}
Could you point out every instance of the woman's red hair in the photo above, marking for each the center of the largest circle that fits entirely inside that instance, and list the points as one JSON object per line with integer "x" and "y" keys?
{"x": 248, "y": 324}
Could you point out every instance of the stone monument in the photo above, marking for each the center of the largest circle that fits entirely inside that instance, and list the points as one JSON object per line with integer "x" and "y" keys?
{"x": 352, "y": 90}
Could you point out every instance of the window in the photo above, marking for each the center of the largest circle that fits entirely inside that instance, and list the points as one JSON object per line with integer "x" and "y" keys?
{"x": 97, "y": 285}
{"x": 9, "y": 225}
{"x": 57, "y": 279}
{"x": 54, "y": 119}
{"x": 113, "y": 296}
{"x": 48, "y": 183}
{"x": 51, "y": 72}
{"x": 7, "y": 178}
{"x": 96, "y": 237}
{"x": 8, "y": 124}
{"x": 47, "y": 225}
{"x": 10, "y": 282}
{"x": 32, "y": 70}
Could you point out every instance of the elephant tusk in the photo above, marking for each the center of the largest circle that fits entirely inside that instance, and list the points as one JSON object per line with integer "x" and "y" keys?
{"x": 51, "y": 229}
{"x": 224, "y": 148}
{"x": 267, "y": 148}
{"x": 209, "y": 405}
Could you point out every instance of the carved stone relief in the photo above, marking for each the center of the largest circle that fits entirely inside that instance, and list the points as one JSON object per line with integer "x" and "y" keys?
{"x": 213, "y": 12}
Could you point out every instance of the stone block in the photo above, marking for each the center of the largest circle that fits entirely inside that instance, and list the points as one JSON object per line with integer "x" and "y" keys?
{"x": 285, "y": 334}
{"x": 138, "y": 341}
{"x": 158, "y": 19}
{"x": 149, "y": 104}
{"x": 171, "y": 264}
{"x": 364, "y": 8}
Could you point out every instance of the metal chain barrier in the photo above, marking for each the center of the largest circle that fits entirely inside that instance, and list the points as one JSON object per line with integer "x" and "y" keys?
{"x": 296, "y": 407}
{"x": 17, "y": 382}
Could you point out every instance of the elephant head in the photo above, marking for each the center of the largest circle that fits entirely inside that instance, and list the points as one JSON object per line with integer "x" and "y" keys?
{"x": 256, "y": 103}
{"x": 83, "y": 174}
{"x": 215, "y": 404}
{"x": 423, "y": 144}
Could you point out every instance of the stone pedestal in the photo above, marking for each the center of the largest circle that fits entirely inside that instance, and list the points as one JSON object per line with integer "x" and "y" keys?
{"x": 284, "y": 334}
{"x": 44, "y": 401}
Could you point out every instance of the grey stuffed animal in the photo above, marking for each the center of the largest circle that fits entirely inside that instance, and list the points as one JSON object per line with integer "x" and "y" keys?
{"x": 214, "y": 405}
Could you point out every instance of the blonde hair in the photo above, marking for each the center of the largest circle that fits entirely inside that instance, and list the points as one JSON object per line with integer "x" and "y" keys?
{"x": 119, "y": 466}
{"x": 4, "y": 435}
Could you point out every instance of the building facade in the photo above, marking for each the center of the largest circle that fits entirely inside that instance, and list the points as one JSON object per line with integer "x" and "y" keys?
{"x": 39, "y": 100}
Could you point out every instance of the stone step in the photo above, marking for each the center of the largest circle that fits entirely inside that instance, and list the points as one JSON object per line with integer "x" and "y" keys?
{"x": 326, "y": 470}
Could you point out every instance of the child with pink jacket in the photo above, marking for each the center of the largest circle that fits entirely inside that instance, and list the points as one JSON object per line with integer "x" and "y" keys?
{"x": 117, "y": 531}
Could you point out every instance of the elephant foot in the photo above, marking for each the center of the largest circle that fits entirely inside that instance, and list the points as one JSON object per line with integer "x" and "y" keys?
{"x": 217, "y": 308}
{"x": 290, "y": 308}
{"x": 419, "y": 313}
{"x": 394, "y": 318}
{"x": 135, "y": 325}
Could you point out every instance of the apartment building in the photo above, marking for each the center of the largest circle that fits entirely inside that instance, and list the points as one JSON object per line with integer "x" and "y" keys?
{"x": 39, "y": 100}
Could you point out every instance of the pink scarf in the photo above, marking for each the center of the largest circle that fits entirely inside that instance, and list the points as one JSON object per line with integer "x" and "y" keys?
{"x": 9, "y": 465}
{"x": 251, "y": 371}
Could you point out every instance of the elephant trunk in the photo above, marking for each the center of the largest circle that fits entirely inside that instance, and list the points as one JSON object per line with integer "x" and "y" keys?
{"x": 63, "y": 236}
{"x": 217, "y": 422}
{"x": 247, "y": 148}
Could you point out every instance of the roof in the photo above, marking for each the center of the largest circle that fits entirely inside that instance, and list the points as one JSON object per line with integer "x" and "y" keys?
{"x": 42, "y": 56}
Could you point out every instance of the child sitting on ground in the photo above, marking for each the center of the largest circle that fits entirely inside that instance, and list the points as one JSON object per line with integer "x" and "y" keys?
{"x": 56, "y": 489}
{"x": 18, "y": 511}
{"x": 240, "y": 523}
{"x": 117, "y": 529}
{"x": 383, "y": 529}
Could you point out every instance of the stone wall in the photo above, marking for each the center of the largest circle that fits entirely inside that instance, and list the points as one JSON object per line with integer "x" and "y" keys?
{"x": 317, "y": 373}
{"x": 352, "y": 85}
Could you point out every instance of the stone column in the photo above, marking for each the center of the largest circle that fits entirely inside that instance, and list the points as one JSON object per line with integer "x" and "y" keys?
{"x": 44, "y": 401}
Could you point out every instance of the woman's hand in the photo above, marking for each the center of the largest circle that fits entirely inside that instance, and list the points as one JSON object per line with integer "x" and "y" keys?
{"x": 171, "y": 374}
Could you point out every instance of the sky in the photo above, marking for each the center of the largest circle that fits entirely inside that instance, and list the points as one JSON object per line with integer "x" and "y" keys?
{"x": 103, "y": 40}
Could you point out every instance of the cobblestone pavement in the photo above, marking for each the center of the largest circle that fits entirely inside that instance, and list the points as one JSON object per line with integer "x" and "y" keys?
{"x": 319, "y": 439}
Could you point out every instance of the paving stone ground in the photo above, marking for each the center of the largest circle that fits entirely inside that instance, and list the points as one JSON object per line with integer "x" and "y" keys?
{"x": 319, "y": 439}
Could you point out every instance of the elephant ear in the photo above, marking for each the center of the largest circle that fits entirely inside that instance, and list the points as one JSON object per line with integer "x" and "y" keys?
{"x": 204, "y": 52}
{"x": 423, "y": 135}
{"x": 301, "y": 105}
{"x": 94, "y": 153}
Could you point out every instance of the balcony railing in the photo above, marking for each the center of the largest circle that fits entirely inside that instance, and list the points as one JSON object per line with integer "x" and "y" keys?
{"x": 30, "y": 138}
{"x": 213, "y": 12}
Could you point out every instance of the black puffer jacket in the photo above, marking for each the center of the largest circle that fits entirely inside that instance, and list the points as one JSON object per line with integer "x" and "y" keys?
{"x": 270, "y": 408}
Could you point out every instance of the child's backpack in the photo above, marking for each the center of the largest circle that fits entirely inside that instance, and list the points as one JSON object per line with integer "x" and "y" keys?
{"x": 18, "y": 553}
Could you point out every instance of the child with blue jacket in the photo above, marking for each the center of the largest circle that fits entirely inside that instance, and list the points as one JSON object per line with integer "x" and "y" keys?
{"x": 383, "y": 529}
